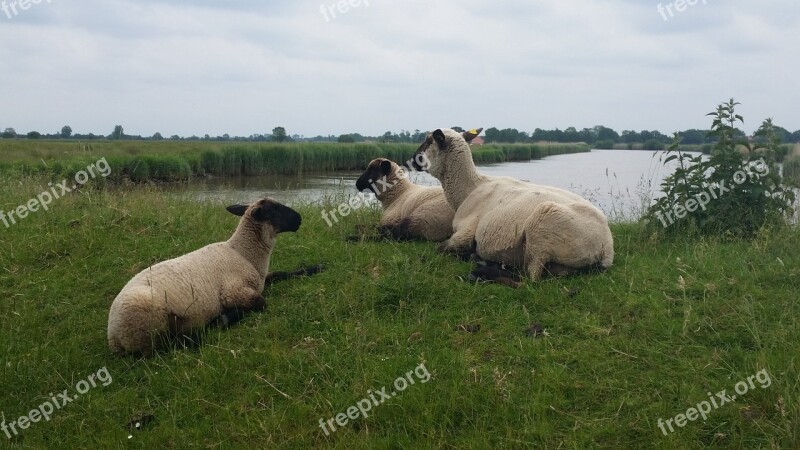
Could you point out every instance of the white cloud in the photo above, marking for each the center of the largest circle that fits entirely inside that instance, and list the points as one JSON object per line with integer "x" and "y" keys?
{"x": 210, "y": 67}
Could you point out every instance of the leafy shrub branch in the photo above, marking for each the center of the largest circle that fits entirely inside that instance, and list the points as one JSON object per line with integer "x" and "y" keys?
{"x": 736, "y": 191}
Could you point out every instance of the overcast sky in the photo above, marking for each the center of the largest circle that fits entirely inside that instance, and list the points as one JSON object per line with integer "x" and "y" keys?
{"x": 244, "y": 67}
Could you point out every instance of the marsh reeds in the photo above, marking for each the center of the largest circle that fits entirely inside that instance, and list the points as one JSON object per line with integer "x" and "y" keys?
{"x": 143, "y": 161}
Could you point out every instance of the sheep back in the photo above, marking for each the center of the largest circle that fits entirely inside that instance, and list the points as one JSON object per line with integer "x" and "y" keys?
{"x": 503, "y": 210}
{"x": 194, "y": 288}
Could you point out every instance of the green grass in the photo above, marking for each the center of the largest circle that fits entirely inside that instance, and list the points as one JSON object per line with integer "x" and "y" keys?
{"x": 141, "y": 161}
{"x": 668, "y": 323}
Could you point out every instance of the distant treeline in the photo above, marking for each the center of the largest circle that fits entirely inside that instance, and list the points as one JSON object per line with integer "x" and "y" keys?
{"x": 600, "y": 137}
{"x": 177, "y": 161}
{"x": 606, "y": 138}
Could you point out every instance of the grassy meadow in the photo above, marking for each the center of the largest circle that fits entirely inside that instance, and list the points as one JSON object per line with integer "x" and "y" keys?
{"x": 143, "y": 161}
{"x": 584, "y": 362}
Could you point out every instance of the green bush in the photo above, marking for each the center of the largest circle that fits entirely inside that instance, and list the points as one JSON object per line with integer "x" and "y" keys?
{"x": 728, "y": 193}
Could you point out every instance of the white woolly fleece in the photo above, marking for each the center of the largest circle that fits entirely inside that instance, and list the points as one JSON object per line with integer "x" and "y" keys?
{"x": 192, "y": 290}
{"x": 524, "y": 225}
{"x": 423, "y": 209}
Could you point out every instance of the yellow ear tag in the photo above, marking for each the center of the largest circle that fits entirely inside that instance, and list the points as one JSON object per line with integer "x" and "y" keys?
{"x": 473, "y": 131}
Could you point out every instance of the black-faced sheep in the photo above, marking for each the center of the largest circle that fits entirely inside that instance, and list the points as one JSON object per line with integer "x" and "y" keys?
{"x": 410, "y": 211}
{"x": 216, "y": 284}
{"x": 531, "y": 227}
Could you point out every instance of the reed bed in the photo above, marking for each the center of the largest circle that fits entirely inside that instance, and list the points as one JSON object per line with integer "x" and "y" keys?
{"x": 140, "y": 161}
{"x": 791, "y": 169}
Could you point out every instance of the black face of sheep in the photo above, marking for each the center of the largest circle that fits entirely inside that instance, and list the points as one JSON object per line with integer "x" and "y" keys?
{"x": 420, "y": 156}
{"x": 421, "y": 161}
{"x": 280, "y": 216}
{"x": 377, "y": 169}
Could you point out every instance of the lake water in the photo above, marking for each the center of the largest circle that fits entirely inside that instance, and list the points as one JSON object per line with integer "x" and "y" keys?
{"x": 619, "y": 182}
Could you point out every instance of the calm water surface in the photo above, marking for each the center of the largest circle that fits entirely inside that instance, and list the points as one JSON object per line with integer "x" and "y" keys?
{"x": 617, "y": 181}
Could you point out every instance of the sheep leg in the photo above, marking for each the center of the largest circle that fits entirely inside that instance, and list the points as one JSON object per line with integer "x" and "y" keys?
{"x": 559, "y": 270}
{"x": 402, "y": 231}
{"x": 556, "y": 242}
{"x": 399, "y": 232}
{"x": 461, "y": 245}
{"x": 235, "y": 311}
{"x": 236, "y": 303}
{"x": 493, "y": 272}
{"x": 303, "y": 271}
{"x": 229, "y": 318}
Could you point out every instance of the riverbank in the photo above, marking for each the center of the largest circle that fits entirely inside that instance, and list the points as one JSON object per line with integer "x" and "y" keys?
{"x": 574, "y": 362}
{"x": 142, "y": 161}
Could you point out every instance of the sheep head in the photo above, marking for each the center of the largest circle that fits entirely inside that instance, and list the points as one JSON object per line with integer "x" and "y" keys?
{"x": 268, "y": 212}
{"x": 380, "y": 176}
{"x": 441, "y": 149}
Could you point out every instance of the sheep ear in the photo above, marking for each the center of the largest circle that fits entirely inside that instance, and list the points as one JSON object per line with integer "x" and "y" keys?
{"x": 386, "y": 167}
{"x": 440, "y": 139}
{"x": 237, "y": 210}
{"x": 471, "y": 134}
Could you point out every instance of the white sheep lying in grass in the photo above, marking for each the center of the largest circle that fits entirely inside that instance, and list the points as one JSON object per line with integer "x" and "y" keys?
{"x": 410, "y": 211}
{"x": 216, "y": 284}
{"x": 530, "y": 227}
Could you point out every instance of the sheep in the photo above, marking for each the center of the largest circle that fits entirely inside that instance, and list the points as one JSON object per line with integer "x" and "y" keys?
{"x": 215, "y": 285}
{"x": 410, "y": 211}
{"x": 533, "y": 228}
